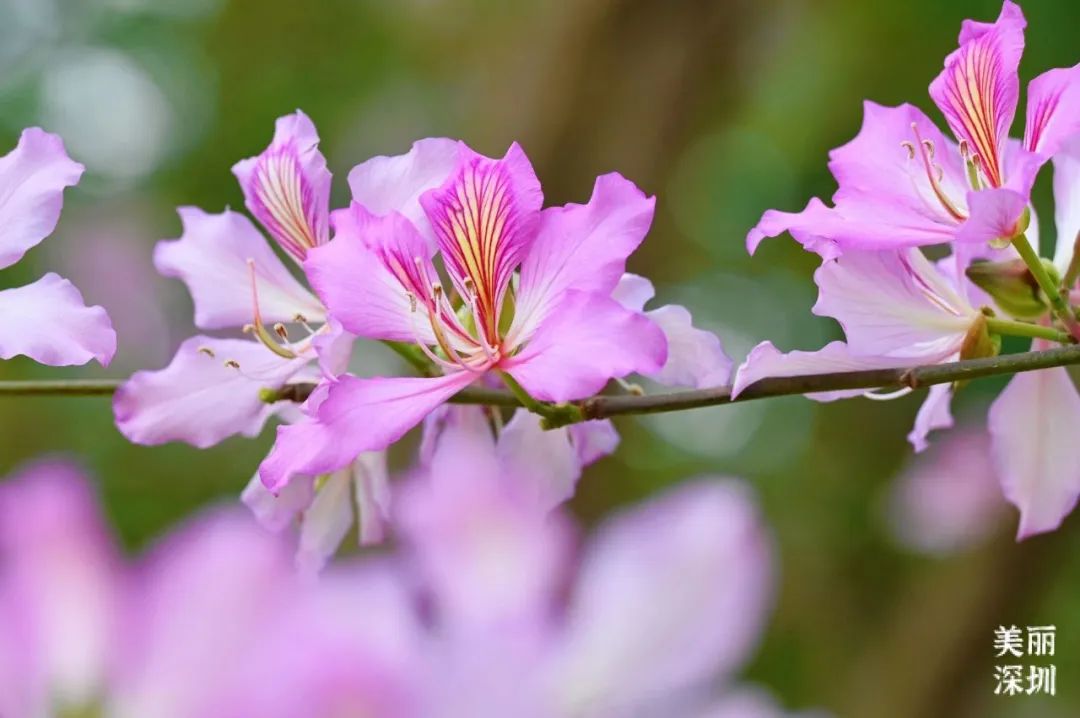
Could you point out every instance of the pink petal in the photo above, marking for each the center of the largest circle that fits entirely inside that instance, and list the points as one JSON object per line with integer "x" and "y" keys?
{"x": 61, "y": 591}
{"x": 765, "y": 360}
{"x": 368, "y": 272}
{"x": 326, "y": 522}
{"x": 893, "y": 303}
{"x": 695, "y": 357}
{"x": 394, "y": 184}
{"x": 885, "y": 198}
{"x": 544, "y": 464}
{"x": 484, "y": 217}
{"x": 1067, "y": 202}
{"x": 357, "y": 415}
{"x": 371, "y": 491}
{"x": 287, "y": 186}
{"x": 48, "y": 322}
{"x": 979, "y": 87}
{"x": 995, "y": 214}
{"x": 211, "y": 258}
{"x": 1053, "y": 110}
{"x": 593, "y": 440}
{"x": 586, "y": 340}
{"x": 197, "y": 398}
{"x": 633, "y": 292}
{"x": 583, "y": 247}
{"x": 1032, "y": 425}
{"x": 692, "y": 573}
{"x": 933, "y": 414}
{"x": 277, "y": 512}
{"x": 32, "y": 181}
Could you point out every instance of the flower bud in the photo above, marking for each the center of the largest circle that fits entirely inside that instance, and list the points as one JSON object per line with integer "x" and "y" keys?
{"x": 1012, "y": 286}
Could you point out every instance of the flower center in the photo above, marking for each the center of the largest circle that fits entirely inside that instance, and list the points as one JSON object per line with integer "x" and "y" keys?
{"x": 924, "y": 149}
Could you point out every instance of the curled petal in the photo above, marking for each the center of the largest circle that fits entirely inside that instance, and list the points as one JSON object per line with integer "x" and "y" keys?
{"x": 357, "y": 415}
{"x": 586, "y": 341}
{"x": 582, "y": 247}
{"x": 692, "y": 573}
{"x": 765, "y": 361}
{"x": 215, "y": 257}
{"x": 1032, "y": 425}
{"x": 383, "y": 185}
{"x": 32, "y": 181}
{"x": 197, "y": 398}
{"x": 287, "y": 187}
{"x": 933, "y": 414}
{"x": 593, "y": 440}
{"x": 995, "y": 214}
{"x": 48, "y": 322}
{"x": 276, "y": 512}
{"x": 633, "y": 292}
{"x": 979, "y": 87}
{"x": 695, "y": 357}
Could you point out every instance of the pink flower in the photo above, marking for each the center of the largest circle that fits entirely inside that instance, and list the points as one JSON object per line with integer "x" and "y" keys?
{"x": 897, "y": 309}
{"x": 902, "y": 183}
{"x": 531, "y": 295}
{"x": 47, "y": 320}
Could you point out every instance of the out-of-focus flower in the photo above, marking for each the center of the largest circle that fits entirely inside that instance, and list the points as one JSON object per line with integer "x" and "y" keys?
{"x": 555, "y": 328}
{"x": 47, "y": 320}
{"x": 902, "y": 183}
{"x": 896, "y": 309}
{"x": 486, "y": 610}
{"x": 949, "y": 498}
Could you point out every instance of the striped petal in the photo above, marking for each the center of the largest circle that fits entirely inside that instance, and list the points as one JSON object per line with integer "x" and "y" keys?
{"x": 979, "y": 87}
{"x": 484, "y": 217}
{"x": 1053, "y": 110}
{"x": 287, "y": 187}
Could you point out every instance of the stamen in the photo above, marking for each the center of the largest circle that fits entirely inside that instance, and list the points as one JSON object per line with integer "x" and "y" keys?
{"x": 257, "y": 327}
{"x": 935, "y": 175}
{"x": 281, "y": 331}
{"x": 207, "y": 351}
{"x": 910, "y": 147}
{"x": 232, "y": 364}
{"x": 888, "y": 396}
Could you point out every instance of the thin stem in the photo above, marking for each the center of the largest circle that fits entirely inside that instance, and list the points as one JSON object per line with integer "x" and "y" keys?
{"x": 1027, "y": 329}
{"x": 554, "y": 415}
{"x": 1046, "y": 283}
{"x": 521, "y": 394}
{"x": 600, "y": 407}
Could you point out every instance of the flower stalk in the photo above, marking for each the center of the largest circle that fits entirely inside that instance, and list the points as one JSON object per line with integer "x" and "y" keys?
{"x": 1047, "y": 284}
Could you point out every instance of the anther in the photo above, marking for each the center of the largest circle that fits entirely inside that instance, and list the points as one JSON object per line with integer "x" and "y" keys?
{"x": 300, "y": 318}
{"x": 207, "y": 351}
{"x": 232, "y": 364}
{"x": 281, "y": 331}
{"x": 412, "y": 301}
{"x": 910, "y": 147}
{"x": 929, "y": 148}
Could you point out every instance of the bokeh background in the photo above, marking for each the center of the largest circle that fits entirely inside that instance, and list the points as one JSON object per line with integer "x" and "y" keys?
{"x": 722, "y": 109}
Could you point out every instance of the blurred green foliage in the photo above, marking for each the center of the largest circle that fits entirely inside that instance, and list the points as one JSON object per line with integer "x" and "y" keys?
{"x": 723, "y": 109}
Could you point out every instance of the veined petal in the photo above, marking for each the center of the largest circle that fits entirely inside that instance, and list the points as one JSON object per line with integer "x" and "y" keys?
{"x": 357, "y": 415}
{"x": 32, "y": 181}
{"x": 214, "y": 257}
{"x": 995, "y": 214}
{"x": 197, "y": 398}
{"x": 979, "y": 87}
{"x": 376, "y": 276}
{"x": 692, "y": 573}
{"x": 1067, "y": 202}
{"x": 394, "y": 184}
{"x": 484, "y": 217}
{"x": 287, "y": 187}
{"x": 49, "y": 322}
{"x": 893, "y": 303}
{"x": 765, "y": 361}
{"x": 582, "y": 247}
{"x": 1053, "y": 110}
{"x": 933, "y": 414}
{"x": 901, "y": 184}
{"x": 1032, "y": 427}
{"x": 587, "y": 340}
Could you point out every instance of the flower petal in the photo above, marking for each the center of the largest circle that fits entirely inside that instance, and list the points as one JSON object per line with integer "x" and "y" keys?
{"x": 633, "y": 292}
{"x": 1032, "y": 426}
{"x": 48, "y": 322}
{"x": 593, "y": 440}
{"x": 371, "y": 491}
{"x": 695, "y": 357}
{"x": 692, "y": 573}
{"x": 357, "y": 415}
{"x": 1067, "y": 202}
{"x": 484, "y": 216}
{"x": 765, "y": 361}
{"x": 979, "y": 87}
{"x": 586, "y": 340}
{"x": 394, "y": 184}
{"x": 893, "y": 303}
{"x": 545, "y": 464}
{"x": 582, "y": 247}
{"x": 287, "y": 186}
{"x": 32, "y": 181}
{"x": 326, "y": 522}
{"x": 1053, "y": 110}
{"x": 995, "y": 214}
{"x": 212, "y": 258}
{"x": 197, "y": 398}
{"x": 276, "y": 512}
{"x": 367, "y": 274}
{"x": 894, "y": 191}
{"x": 933, "y": 414}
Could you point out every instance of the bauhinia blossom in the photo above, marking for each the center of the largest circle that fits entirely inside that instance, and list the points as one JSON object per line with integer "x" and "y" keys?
{"x": 531, "y": 296}
{"x": 46, "y": 321}
{"x": 903, "y": 183}
{"x": 215, "y": 386}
